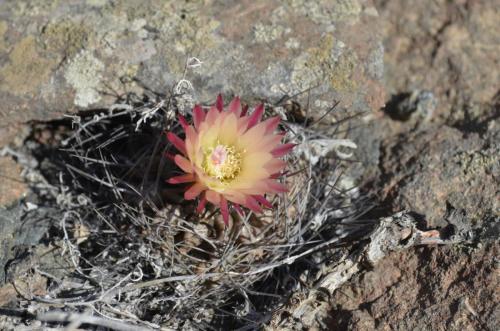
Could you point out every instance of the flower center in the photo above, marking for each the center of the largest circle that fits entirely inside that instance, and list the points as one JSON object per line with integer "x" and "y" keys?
{"x": 222, "y": 162}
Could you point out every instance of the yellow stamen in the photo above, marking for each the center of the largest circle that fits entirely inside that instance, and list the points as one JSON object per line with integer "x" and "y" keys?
{"x": 222, "y": 162}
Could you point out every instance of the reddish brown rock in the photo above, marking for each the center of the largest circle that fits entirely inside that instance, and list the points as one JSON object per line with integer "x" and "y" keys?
{"x": 432, "y": 171}
{"x": 436, "y": 288}
{"x": 448, "y": 47}
{"x": 443, "y": 166}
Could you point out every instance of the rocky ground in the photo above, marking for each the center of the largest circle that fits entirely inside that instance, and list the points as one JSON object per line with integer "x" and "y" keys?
{"x": 433, "y": 149}
{"x": 438, "y": 153}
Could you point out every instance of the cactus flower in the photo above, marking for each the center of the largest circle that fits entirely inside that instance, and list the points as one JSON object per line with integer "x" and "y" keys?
{"x": 231, "y": 158}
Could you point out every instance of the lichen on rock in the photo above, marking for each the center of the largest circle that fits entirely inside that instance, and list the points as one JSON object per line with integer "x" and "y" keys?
{"x": 267, "y": 33}
{"x": 338, "y": 10}
{"x": 258, "y": 49}
{"x": 329, "y": 61}
{"x": 3, "y": 29}
{"x": 65, "y": 37}
{"x": 27, "y": 69}
{"x": 84, "y": 73}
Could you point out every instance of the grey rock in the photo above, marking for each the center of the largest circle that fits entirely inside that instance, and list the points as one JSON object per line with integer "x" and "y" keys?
{"x": 19, "y": 231}
{"x": 58, "y": 57}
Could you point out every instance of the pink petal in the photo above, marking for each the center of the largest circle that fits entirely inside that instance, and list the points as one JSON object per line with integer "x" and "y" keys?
{"x": 253, "y": 136}
{"x": 236, "y": 197}
{"x": 201, "y": 204}
{"x": 191, "y": 142}
{"x": 252, "y": 204}
{"x": 219, "y": 103}
{"x": 275, "y": 166}
{"x": 181, "y": 179}
{"x": 183, "y": 163}
{"x": 212, "y": 116}
{"x": 276, "y": 187}
{"x": 256, "y": 116}
{"x": 213, "y": 197}
{"x": 194, "y": 191}
{"x": 183, "y": 122}
{"x": 268, "y": 143}
{"x": 282, "y": 150}
{"x": 243, "y": 124}
{"x": 177, "y": 142}
{"x": 191, "y": 134}
{"x": 198, "y": 116}
{"x": 272, "y": 124}
{"x": 235, "y": 106}
{"x": 224, "y": 210}
{"x": 263, "y": 201}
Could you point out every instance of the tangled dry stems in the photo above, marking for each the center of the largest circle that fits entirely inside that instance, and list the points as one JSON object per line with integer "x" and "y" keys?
{"x": 142, "y": 255}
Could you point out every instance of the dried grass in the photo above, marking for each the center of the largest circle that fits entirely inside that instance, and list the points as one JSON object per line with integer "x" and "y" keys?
{"x": 142, "y": 255}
